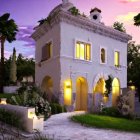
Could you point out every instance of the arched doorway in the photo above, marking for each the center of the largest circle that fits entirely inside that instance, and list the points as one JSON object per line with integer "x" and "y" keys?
{"x": 115, "y": 91}
{"x": 98, "y": 94}
{"x": 100, "y": 86}
{"x": 81, "y": 94}
{"x": 47, "y": 87}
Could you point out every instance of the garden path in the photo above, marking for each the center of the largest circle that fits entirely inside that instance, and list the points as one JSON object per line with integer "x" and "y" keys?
{"x": 60, "y": 127}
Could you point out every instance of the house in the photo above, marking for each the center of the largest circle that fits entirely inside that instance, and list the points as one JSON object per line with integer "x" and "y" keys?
{"x": 76, "y": 54}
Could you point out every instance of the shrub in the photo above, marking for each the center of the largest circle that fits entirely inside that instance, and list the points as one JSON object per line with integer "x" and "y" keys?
{"x": 110, "y": 111}
{"x": 57, "y": 108}
{"x": 31, "y": 96}
{"x": 11, "y": 118}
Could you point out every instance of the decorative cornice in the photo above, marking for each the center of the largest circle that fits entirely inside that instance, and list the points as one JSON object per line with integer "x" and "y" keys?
{"x": 83, "y": 22}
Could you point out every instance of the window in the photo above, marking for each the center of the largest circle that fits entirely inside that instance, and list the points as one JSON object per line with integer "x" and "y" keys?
{"x": 117, "y": 59}
{"x": 47, "y": 51}
{"x": 103, "y": 56}
{"x": 83, "y": 51}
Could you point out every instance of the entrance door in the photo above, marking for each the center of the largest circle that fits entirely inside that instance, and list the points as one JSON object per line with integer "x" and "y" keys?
{"x": 81, "y": 94}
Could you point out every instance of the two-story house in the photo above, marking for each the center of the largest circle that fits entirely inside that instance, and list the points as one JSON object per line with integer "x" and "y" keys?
{"x": 75, "y": 54}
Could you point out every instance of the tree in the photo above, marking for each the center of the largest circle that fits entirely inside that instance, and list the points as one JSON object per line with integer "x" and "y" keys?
{"x": 119, "y": 26}
{"x": 8, "y": 31}
{"x": 25, "y": 67}
{"x": 13, "y": 68}
{"x": 134, "y": 65}
{"x": 137, "y": 20}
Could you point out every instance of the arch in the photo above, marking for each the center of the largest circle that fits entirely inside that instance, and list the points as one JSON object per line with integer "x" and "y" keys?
{"x": 81, "y": 94}
{"x": 98, "y": 77}
{"x": 47, "y": 87}
{"x": 100, "y": 86}
{"x": 115, "y": 91}
{"x": 103, "y": 56}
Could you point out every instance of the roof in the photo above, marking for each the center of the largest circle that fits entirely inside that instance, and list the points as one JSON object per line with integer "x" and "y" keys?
{"x": 95, "y": 9}
{"x": 61, "y": 14}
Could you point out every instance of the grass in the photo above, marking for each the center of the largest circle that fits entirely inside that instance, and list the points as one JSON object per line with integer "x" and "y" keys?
{"x": 107, "y": 122}
{"x": 6, "y": 95}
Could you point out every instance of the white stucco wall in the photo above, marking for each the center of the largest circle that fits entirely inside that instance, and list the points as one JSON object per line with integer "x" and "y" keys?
{"x": 49, "y": 67}
{"x": 76, "y": 68}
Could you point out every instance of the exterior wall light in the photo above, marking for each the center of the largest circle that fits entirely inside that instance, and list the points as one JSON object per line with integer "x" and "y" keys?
{"x": 3, "y": 101}
{"x": 67, "y": 92}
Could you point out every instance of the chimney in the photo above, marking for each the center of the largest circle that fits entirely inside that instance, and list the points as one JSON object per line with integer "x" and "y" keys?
{"x": 95, "y": 15}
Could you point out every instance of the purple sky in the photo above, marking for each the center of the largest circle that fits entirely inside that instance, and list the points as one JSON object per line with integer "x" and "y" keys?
{"x": 26, "y": 13}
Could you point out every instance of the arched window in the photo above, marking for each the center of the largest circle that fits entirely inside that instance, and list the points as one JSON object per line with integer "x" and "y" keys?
{"x": 103, "y": 56}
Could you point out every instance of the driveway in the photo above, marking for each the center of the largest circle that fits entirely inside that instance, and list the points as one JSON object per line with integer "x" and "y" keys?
{"x": 60, "y": 127}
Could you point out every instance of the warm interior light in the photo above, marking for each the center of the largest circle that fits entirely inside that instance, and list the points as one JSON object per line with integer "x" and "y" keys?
{"x": 83, "y": 51}
{"x": 116, "y": 58}
{"x": 67, "y": 92}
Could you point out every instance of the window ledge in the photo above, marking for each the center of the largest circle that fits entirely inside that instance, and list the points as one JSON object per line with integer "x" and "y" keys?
{"x": 82, "y": 61}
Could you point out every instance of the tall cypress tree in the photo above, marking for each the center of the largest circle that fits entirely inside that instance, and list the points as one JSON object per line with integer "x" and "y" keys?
{"x": 13, "y": 67}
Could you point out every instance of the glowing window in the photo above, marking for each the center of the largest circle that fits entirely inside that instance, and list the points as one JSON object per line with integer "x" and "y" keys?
{"x": 117, "y": 58}
{"x": 83, "y": 51}
{"x": 103, "y": 56}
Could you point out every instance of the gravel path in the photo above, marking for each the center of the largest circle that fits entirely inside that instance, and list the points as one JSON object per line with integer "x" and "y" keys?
{"x": 60, "y": 127}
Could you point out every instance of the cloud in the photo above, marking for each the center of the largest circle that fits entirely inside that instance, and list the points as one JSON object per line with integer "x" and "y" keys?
{"x": 128, "y": 1}
{"x": 24, "y": 34}
{"x": 7, "y": 54}
{"x": 126, "y": 18}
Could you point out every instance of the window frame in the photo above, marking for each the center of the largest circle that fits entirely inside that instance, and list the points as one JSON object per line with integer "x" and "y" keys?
{"x": 119, "y": 58}
{"x": 85, "y": 43}
{"x": 51, "y": 53}
{"x": 102, "y": 47}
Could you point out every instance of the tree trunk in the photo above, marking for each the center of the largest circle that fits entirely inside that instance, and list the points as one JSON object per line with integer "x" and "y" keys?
{"x": 2, "y": 65}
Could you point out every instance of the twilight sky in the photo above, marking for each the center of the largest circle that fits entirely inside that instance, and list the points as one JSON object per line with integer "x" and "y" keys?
{"x": 26, "y": 13}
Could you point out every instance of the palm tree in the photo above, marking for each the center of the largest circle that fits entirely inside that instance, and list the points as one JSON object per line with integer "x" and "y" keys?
{"x": 8, "y": 31}
{"x": 137, "y": 20}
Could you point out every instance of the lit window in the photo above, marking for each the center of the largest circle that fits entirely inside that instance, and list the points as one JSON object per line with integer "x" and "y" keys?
{"x": 103, "y": 56}
{"x": 47, "y": 51}
{"x": 83, "y": 51}
{"x": 117, "y": 58}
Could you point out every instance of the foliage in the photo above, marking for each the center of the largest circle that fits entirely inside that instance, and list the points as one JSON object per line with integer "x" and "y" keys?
{"x": 31, "y": 96}
{"x": 6, "y": 95}
{"x": 11, "y": 118}
{"x": 8, "y": 31}
{"x": 133, "y": 61}
{"x": 137, "y": 20}
{"x": 25, "y": 67}
{"x": 43, "y": 20}
{"x": 43, "y": 108}
{"x": 57, "y": 108}
{"x": 74, "y": 11}
{"x": 108, "y": 122}
{"x": 119, "y": 26}
{"x": 108, "y": 85}
{"x": 110, "y": 111}
{"x": 13, "y": 67}
{"x": 124, "y": 106}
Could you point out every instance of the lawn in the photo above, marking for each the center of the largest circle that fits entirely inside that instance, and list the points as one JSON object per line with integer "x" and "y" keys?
{"x": 107, "y": 122}
{"x": 6, "y": 95}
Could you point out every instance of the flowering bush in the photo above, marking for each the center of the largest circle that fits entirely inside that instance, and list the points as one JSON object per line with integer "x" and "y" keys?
{"x": 43, "y": 108}
{"x": 31, "y": 96}
{"x": 124, "y": 105}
